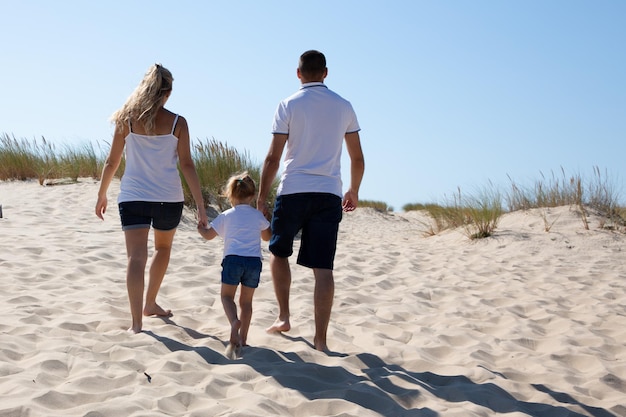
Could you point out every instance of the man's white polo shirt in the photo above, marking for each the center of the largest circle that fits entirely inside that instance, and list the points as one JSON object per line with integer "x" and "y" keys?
{"x": 316, "y": 120}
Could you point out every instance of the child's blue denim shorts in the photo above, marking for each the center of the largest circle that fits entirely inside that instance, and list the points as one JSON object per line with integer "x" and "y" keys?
{"x": 244, "y": 270}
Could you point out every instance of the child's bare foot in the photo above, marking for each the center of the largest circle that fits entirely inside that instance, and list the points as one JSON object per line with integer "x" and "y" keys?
{"x": 235, "y": 339}
{"x": 279, "y": 326}
{"x": 233, "y": 351}
{"x": 156, "y": 310}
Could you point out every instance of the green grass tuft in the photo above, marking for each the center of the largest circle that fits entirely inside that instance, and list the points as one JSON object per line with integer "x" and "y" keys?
{"x": 376, "y": 205}
{"x": 478, "y": 214}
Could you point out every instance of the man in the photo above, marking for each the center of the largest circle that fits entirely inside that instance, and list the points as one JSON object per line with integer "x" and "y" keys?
{"x": 312, "y": 124}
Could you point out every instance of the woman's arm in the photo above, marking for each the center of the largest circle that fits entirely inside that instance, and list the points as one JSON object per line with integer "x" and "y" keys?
{"x": 188, "y": 169}
{"x": 111, "y": 164}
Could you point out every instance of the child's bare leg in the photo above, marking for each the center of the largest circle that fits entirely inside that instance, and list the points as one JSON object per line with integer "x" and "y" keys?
{"x": 281, "y": 276}
{"x": 235, "y": 338}
{"x": 158, "y": 266}
{"x": 137, "y": 253}
{"x": 245, "y": 303}
{"x": 228, "y": 302}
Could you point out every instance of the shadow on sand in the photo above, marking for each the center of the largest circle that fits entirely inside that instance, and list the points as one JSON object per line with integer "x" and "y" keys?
{"x": 375, "y": 389}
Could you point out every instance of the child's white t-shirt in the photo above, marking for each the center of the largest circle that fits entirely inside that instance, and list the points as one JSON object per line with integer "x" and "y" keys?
{"x": 241, "y": 227}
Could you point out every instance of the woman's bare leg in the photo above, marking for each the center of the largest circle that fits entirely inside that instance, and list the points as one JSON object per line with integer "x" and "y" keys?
{"x": 158, "y": 267}
{"x": 137, "y": 254}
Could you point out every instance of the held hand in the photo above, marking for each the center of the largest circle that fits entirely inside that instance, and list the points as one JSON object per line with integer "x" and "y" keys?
{"x": 350, "y": 201}
{"x": 101, "y": 207}
{"x": 207, "y": 232}
{"x": 262, "y": 207}
{"x": 203, "y": 220}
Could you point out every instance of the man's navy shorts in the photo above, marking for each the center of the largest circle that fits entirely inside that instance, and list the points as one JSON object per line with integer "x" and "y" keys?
{"x": 142, "y": 214}
{"x": 241, "y": 269}
{"x": 318, "y": 216}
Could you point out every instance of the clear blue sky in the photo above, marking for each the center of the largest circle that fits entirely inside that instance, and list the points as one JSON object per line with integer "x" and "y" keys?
{"x": 448, "y": 93}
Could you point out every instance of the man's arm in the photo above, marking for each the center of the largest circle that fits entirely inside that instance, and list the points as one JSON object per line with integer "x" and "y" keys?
{"x": 270, "y": 169}
{"x": 357, "y": 168}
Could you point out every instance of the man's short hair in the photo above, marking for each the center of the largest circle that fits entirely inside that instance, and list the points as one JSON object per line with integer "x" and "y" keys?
{"x": 312, "y": 64}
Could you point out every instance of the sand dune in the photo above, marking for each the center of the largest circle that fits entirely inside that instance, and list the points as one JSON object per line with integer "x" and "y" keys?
{"x": 525, "y": 323}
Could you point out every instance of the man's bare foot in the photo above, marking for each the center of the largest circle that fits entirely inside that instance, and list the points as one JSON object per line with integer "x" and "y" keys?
{"x": 279, "y": 326}
{"x": 320, "y": 345}
{"x": 156, "y": 310}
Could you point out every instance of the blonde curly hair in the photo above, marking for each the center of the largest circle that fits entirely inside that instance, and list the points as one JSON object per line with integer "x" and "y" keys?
{"x": 239, "y": 187}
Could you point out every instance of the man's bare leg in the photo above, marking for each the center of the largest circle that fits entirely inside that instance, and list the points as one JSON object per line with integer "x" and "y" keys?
{"x": 281, "y": 276}
{"x": 323, "y": 301}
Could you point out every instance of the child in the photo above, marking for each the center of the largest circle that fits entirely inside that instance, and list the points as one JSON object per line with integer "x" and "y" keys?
{"x": 242, "y": 227}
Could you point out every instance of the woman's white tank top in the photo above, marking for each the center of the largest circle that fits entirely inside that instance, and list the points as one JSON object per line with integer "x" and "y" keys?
{"x": 151, "y": 172}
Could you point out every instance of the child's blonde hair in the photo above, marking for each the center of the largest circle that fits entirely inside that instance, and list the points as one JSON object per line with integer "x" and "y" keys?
{"x": 144, "y": 103}
{"x": 240, "y": 187}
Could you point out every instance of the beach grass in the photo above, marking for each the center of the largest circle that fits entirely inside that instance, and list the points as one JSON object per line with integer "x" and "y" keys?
{"x": 216, "y": 162}
{"x": 21, "y": 159}
{"x": 476, "y": 214}
{"x": 483, "y": 210}
{"x": 380, "y": 206}
{"x": 49, "y": 164}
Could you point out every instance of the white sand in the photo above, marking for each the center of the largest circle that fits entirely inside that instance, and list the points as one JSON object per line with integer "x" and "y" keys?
{"x": 526, "y": 323}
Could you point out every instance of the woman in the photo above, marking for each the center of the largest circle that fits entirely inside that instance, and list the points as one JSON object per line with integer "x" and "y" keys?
{"x": 151, "y": 193}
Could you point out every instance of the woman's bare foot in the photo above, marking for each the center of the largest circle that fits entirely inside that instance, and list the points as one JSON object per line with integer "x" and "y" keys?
{"x": 156, "y": 310}
{"x": 279, "y": 326}
{"x": 134, "y": 329}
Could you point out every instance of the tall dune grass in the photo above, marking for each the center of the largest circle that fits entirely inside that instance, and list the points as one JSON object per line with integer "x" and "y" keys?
{"x": 215, "y": 163}
{"x": 376, "y": 205}
{"x": 599, "y": 194}
{"x": 484, "y": 209}
{"x": 478, "y": 213}
{"x": 22, "y": 159}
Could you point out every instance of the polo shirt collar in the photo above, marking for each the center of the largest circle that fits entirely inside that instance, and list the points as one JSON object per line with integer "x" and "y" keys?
{"x": 313, "y": 84}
